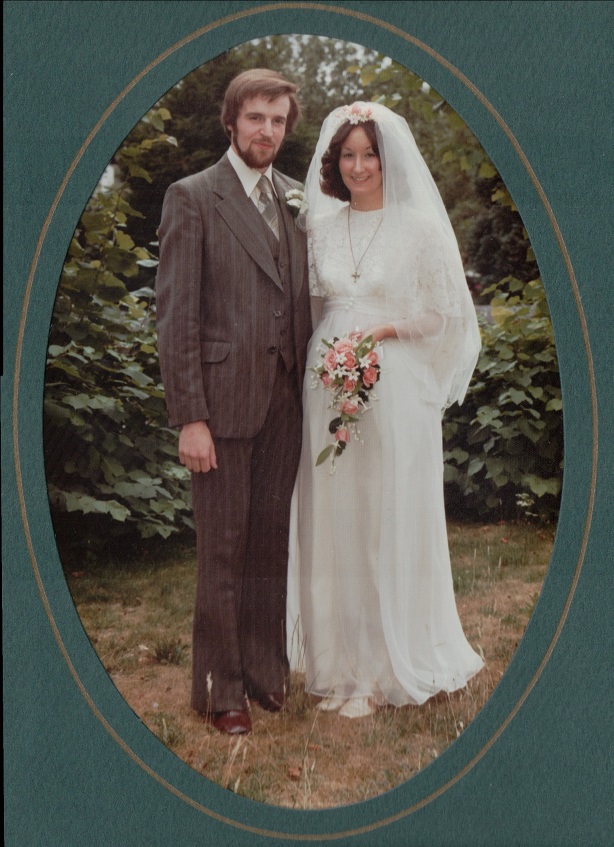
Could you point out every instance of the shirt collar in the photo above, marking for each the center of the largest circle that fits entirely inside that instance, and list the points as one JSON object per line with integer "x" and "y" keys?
{"x": 249, "y": 176}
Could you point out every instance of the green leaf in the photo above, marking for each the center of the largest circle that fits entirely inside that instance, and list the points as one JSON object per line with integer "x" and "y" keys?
{"x": 121, "y": 261}
{"x": 325, "y": 454}
{"x": 96, "y": 222}
{"x": 367, "y": 76}
{"x": 517, "y": 397}
{"x": 505, "y": 351}
{"x": 541, "y": 486}
{"x": 487, "y": 416}
{"x": 459, "y": 455}
{"x": 450, "y": 473}
{"x": 137, "y": 375}
{"x": 55, "y": 350}
{"x": 79, "y": 401}
{"x": 84, "y": 503}
{"x": 487, "y": 171}
{"x": 109, "y": 285}
{"x": 138, "y": 171}
{"x": 135, "y": 489}
{"x": 111, "y": 469}
{"x": 123, "y": 240}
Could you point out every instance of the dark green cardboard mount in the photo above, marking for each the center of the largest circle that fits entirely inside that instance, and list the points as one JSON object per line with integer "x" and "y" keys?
{"x": 533, "y": 81}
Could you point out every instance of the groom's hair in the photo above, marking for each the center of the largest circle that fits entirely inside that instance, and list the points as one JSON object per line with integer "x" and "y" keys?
{"x": 258, "y": 82}
{"x": 331, "y": 181}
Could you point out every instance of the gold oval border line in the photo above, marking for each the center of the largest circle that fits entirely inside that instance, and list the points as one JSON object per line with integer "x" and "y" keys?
{"x": 593, "y": 391}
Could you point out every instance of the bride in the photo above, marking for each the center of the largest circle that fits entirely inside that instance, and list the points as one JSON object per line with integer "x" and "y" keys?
{"x": 371, "y": 603}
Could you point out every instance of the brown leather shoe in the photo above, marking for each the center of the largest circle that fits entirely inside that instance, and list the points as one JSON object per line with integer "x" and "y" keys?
{"x": 233, "y": 722}
{"x": 272, "y": 702}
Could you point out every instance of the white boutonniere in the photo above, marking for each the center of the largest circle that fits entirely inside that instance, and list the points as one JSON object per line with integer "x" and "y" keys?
{"x": 295, "y": 198}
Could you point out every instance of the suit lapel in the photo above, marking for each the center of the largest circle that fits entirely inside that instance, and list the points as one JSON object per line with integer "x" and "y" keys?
{"x": 243, "y": 218}
{"x": 297, "y": 256}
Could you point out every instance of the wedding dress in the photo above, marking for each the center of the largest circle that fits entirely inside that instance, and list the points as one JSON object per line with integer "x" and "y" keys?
{"x": 371, "y": 607}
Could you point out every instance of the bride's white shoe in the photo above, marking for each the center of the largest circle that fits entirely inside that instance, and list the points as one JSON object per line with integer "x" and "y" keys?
{"x": 358, "y": 707}
{"x": 331, "y": 704}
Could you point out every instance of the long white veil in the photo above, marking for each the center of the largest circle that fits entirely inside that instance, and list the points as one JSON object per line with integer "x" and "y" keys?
{"x": 426, "y": 291}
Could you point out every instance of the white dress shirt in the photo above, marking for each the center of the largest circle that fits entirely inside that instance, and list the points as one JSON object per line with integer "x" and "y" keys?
{"x": 249, "y": 176}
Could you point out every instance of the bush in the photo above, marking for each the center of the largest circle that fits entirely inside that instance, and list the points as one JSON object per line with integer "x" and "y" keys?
{"x": 503, "y": 448}
{"x": 107, "y": 449}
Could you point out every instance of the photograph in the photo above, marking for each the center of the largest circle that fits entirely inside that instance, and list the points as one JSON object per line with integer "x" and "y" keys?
{"x": 356, "y": 574}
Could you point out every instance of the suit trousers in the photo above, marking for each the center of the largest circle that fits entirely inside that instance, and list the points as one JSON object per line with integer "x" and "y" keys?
{"x": 242, "y": 513}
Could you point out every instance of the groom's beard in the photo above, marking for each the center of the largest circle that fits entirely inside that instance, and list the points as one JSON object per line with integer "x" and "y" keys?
{"x": 255, "y": 158}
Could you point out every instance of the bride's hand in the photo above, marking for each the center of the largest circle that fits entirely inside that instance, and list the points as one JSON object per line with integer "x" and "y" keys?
{"x": 379, "y": 333}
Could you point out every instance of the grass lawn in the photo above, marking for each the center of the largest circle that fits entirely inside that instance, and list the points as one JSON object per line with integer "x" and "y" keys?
{"x": 138, "y": 616}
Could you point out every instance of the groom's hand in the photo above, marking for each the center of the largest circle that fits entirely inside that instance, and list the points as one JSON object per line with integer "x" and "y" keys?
{"x": 196, "y": 447}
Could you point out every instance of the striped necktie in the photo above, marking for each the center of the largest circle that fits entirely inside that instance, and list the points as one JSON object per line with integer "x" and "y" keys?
{"x": 266, "y": 205}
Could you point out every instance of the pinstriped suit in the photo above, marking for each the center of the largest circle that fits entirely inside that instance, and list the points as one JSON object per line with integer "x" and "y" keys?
{"x": 233, "y": 325}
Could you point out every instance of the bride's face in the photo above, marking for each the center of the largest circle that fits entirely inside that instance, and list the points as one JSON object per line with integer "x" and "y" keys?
{"x": 361, "y": 170}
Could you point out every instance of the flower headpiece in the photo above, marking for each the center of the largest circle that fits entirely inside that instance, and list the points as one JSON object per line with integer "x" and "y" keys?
{"x": 356, "y": 114}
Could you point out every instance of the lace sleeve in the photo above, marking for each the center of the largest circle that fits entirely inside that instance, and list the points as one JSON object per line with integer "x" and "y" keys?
{"x": 436, "y": 321}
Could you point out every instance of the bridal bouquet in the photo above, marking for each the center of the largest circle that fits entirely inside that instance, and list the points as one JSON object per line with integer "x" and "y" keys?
{"x": 349, "y": 369}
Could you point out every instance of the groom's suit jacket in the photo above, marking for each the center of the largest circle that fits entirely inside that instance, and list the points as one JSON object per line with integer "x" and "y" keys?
{"x": 223, "y": 311}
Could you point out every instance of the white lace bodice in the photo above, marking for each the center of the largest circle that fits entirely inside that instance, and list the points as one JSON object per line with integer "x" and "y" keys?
{"x": 330, "y": 259}
{"x": 416, "y": 276}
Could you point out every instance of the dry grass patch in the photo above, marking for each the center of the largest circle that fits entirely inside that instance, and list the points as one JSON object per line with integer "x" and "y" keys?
{"x": 139, "y": 620}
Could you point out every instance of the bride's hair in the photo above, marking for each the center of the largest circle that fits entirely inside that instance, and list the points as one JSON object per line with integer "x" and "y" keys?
{"x": 331, "y": 182}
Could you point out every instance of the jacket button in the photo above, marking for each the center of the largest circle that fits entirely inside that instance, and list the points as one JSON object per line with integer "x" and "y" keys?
{"x": 277, "y": 314}
{"x": 272, "y": 350}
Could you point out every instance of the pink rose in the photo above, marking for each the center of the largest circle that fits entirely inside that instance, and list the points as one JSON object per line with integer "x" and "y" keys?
{"x": 372, "y": 358}
{"x": 349, "y": 361}
{"x": 342, "y": 434}
{"x": 349, "y": 384}
{"x": 342, "y": 346}
{"x": 327, "y": 379}
{"x": 350, "y": 407}
{"x": 330, "y": 360}
{"x": 369, "y": 377}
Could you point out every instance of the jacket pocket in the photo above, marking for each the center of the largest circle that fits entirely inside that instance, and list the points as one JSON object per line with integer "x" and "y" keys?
{"x": 214, "y": 351}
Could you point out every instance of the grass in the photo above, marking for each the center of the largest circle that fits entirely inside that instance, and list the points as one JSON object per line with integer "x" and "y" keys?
{"x": 139, "y": 616}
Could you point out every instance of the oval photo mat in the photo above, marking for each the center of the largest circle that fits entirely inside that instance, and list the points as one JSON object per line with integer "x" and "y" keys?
{"x": 145, "y": 784}
{"x": 157, "y": 715}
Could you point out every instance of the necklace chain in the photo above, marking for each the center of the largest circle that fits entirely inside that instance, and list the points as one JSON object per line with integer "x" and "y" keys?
{"x": 356, "y": 274}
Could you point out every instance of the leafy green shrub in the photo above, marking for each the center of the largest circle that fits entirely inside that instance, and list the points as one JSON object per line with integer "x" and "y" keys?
{"x": 107, "y": 449}
{"x": 503, "y": 448}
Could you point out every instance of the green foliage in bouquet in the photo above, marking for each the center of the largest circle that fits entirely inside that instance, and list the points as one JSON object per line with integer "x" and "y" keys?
{"x": 503, "y": 448}
{"x": 108, "y": 453}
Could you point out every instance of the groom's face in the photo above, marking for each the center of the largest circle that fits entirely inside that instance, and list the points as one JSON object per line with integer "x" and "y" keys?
{"x": 260, "y": 130}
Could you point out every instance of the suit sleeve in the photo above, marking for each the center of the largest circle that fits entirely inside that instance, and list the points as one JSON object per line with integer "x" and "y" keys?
{"x": 178, "y": 299}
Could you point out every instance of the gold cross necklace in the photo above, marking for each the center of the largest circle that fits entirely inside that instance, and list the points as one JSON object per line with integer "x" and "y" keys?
{"x": 356, "y": 274}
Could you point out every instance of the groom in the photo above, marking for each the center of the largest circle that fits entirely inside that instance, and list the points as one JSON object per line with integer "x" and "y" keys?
{"x": 233, "y": 325}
